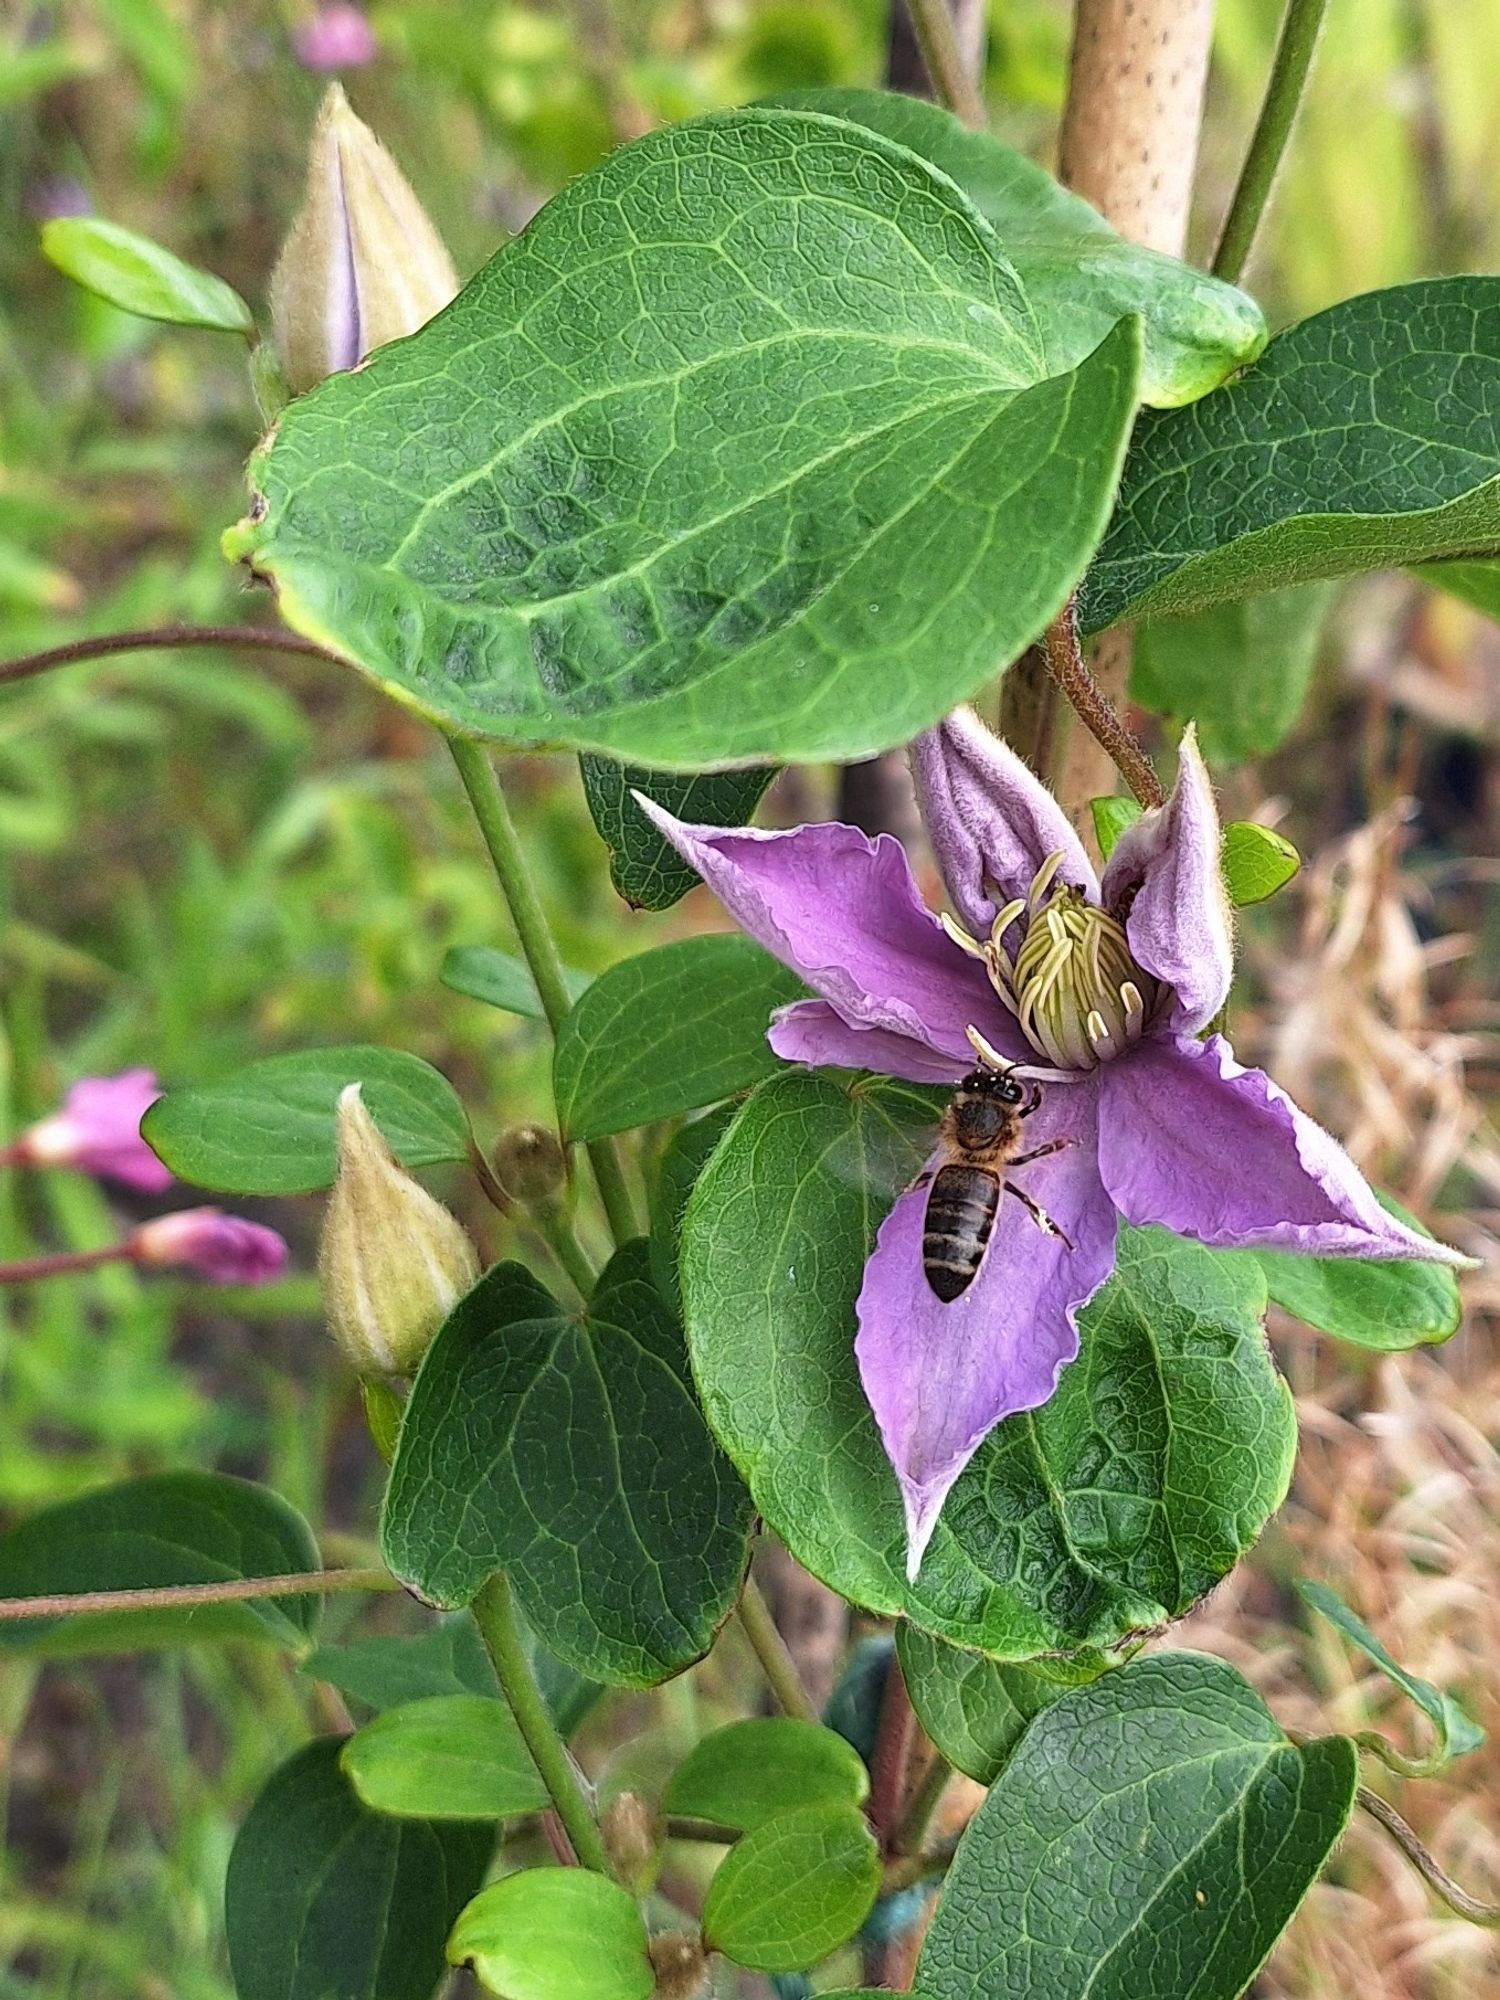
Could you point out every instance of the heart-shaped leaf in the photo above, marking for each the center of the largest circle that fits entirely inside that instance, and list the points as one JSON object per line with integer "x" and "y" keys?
{"x": 555, "y": 1934}
{"x": 452, "y": 1756}
{"x": 794, "y": 1890}
{"x": 747, "y": 1772}
{"x": 647, "y": 872}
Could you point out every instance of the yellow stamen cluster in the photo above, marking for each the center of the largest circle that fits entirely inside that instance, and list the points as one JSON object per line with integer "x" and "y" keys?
{"x": 1078, "y": 995}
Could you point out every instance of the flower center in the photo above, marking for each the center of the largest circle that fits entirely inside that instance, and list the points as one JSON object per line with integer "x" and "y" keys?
{"x": 1078, "y": 995}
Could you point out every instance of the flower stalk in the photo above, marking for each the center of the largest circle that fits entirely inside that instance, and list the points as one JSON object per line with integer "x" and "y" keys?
{"x": 771, "y": 1650}
{"x": 1290, "y": 65}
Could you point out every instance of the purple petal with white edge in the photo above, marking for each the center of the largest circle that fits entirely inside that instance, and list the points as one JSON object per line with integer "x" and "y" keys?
{"x": 940, "y": 1377}
{"x": 843, "y": 912}
{"x": 1193, "y": 1141}
{"x": 812, "y": 1032}
{"x": 990, "y": 822}
{"x": 1165, "y": 874}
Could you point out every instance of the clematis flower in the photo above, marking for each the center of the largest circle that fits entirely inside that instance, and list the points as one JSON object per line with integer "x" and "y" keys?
{"x": 1098, "y": 990}
{"x": 225, "y": 1249}
{"x": 98, "y": 1131}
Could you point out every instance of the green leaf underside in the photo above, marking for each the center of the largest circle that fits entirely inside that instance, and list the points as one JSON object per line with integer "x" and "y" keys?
{"x": 1240, "y": 671}
{"x": 748, "y": 1772}
{"x": 1078, "y": 274}
{"x": 646, "y": 871}
{"x": 326, "y": 1898}
{"x": 1153, "y": 1834}
{"x": 742, "y": 451}
{"x": 975, "y": 1710}
{"x": 1386, "y": 1307}
{"x": 269, "y": 1128}
{"x": 455, "y": 1756}
{"x": 140, "y": 276}
{"x": 448, "y": 1658}
{"x": 555, "y": 1934}
{"x": 1456, "y": 1733}
{"x": 795, "y": 1889}
{"x": 569, "y": 1452}
{"x": 1364, "y": 437}
{"x": 499, "y": 979}
{"x": 168, "y": 1528}
{"x": 1257, "y": 861}
{"x": 669, "y": 1031}
{"x": 1109, "y": 1510}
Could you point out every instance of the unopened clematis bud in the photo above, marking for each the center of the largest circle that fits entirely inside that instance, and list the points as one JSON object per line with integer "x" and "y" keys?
{"x": 225, "y": 1249}
{"x": 530, "y": 1165}
{"x": 98, "y": 1131}
{"x": 362, "y": 264}
{"x": 393, "y": 1262}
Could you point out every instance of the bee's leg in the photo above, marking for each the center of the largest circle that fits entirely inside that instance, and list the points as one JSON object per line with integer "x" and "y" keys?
{"x": 1041, "y": 1152}
{"x": 1037, "y": 1213}
{"x": 1033, "y": 1103}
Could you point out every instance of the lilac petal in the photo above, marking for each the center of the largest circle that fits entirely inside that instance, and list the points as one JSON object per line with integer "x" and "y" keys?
{"x": 1164, "y": 874}
{"x": 812, "y": 1032}
{"x": 843, "y": 912}
{"x": 940, "y": 1377}
{"x": 1190, "y": 1139}
{"x": 991, "y": 823}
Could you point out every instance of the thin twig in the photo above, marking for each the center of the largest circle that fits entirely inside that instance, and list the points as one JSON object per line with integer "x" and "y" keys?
{"x": 944, "y": 60}
{"x": 1081, "y": 691}
{"x": 1441, "y": 1883}
{"x": 1273, "y": 128}
{"x": 268, "y": 638}
{"x": 183, "y": 1596}
{"x": 776, "y": 1663}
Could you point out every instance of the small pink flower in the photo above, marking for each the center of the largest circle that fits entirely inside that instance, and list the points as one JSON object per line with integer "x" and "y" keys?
{"x": 97, "y": 1131}
{"x": 337, "y": 37}
{"x": 223, "y": 1248}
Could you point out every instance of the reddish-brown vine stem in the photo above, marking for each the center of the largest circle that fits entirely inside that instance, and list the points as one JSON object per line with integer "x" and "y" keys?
{"x": 268, "y": 638}
{"x": 183, "y": 1596}
{"x": 1065, "y": 663}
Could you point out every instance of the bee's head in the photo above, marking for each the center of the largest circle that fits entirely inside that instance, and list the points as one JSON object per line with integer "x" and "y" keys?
{"x": 1001, "y": 1086}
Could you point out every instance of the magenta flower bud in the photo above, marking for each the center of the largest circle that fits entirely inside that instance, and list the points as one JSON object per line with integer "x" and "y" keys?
{"x": 337, "y": 37}
{"x": 225, "y": 1249}
{"x": 98, "y": 1131}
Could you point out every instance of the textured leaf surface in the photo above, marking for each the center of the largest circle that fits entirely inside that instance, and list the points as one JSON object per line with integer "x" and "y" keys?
{"x": 1257, "y": 861}
{"x": 140, "y": 276}
{"x": 568, "y": 1451}
{"x": 1384, "y": 1306}
{"x": 555, "y": 1934}
{"x": 1110, "y": 1509}
{"x": 1240, "y": 670}
{"x": 1079, "y": 276}
{"x": 648, "y": 873}
{"x": 1364, "y": 437}
{"x": 1456, "y": 1733}
{"x": 742, "y": 451}
{"x": 453, "y": 1756}
{"x": 975, "y": 1710}
{"x": 500, "y": 979}
{"x": 268, "y": 1129}
{"x": 747, "y": 1772}
{"x": 668, "y": 1031}
{"x": 792, "y": 1891}
{"x": 169, "y": 1528}
{"x": 1153, "y": 1835}
{"x": 326, "y": 1900}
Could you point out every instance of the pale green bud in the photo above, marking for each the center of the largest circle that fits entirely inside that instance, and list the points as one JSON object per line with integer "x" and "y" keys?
{"x": 393, "y": 1262}
{"x": 362, "y": 264}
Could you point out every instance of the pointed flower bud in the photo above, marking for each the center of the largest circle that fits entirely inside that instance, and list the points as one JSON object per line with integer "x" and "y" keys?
{"x": 225, "y": 1249}
{"x": 98, "y": 1131}
{"x": 530, "y": 1165}
{"x": 362, "y": 264}
{"x": 393, "y": 1262}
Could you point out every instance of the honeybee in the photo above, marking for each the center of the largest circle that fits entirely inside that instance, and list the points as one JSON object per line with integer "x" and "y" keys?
{"x": 980, "y": 1134}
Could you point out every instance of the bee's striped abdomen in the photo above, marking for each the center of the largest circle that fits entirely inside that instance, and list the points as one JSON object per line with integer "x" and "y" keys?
{"x": 961, "y": 1211}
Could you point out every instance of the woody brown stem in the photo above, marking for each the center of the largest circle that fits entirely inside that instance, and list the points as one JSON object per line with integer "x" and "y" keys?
{"x": 1090, "y": 704}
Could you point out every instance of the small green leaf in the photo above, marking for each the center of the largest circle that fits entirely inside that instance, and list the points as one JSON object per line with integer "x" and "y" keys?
{"x": 453, "y": 1756}
{"x": 1387, "y": 1307}
{"x": 1153, "y": 1835}
{"x": 326, "y": 1900}
{"x": 500, "y": 980}
{"x": 168, "y": 1528}
{"x": 669, "y": 1031}
{"x": 1256, "y": 862}
{"x": 269, "y": 1129}
{"x": 975, "y": 1710}
{"x": 1456, "y": 1733}
{"x": 448, "y": 1658}
{"x": 645, "y": 870}
{"x": 140, "y": 277}
{"x": 555, "y": 1934}
{"x": 1240, "y": 670}
{"x": 569, "y": 1452}
{"x": 676, "y": 1176}
{"x": 1111, "y": 816}
{"x": 747, "y": 1772}
{"x": 1367, "y": 436}
{"x": 794, "y": 1890}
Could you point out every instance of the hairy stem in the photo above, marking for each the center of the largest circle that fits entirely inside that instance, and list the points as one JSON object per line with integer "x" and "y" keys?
{"x": 538, "y": 947}
{"x": 268, "y": 638}
{"x": 183, "y": 1596}
{"x": 1089, "y": 703}
{"x": 495, "y": 1617}
{"x": 776, "y": 1663}
{"x": 952, "y": 80}
{"x": 1288, "y": 80}
{"x": 1441, "y": 1883}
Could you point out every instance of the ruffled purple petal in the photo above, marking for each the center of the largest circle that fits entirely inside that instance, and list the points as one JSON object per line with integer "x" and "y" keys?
{"x": 990, "y": 822}
{"x": 813, "y": 1032}
{"x": 843, "y": 912}
{"x": 1165, "y": 875}
{"x": 1193, "y": 1141}
{"x": 940, "y": 1377}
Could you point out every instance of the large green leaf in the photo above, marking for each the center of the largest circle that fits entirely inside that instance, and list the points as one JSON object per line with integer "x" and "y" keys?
{"x": 555, "y": 1934}
{"x": 975, "y": 1710}
{"x": 668, "y": 1031}
{"x": 795, "y": 1889}
{"x": 168, "y": 1528}
{"x": 568, "y": 1452}
{"x": 1239, "y": 670}
{"x": 140, "y": 276}
{"x": 744, "y": 450}
{"x": 451, "y": 1756}
{"x": 747, "y": 1772}
{"x": 1152, "y": 1836}
{"x": 1110, "y": 1509}
{"x": 1364, "y": 437}
{"x": 1079, "y": 276}
{"x": 269, "y": 1128}
{"x": 645, "y": 870}
{"x": 326, "y": 1900}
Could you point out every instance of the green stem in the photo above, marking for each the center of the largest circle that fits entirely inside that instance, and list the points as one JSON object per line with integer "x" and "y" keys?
{"x": 561, "y": 1238}
{"x": 924, "y": 1803}
{"x": 497, "y": 1627}
{"x": 538, "y": 947}
{"x": 776, "y": 1662}
{"x": 1288, "y": 80}
{"x": 943, "y": 60}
